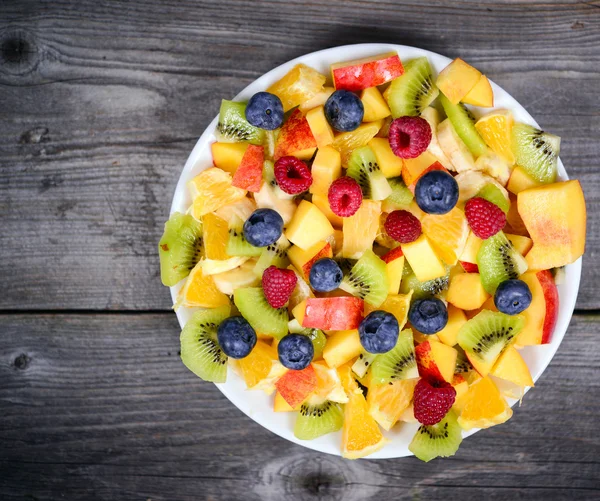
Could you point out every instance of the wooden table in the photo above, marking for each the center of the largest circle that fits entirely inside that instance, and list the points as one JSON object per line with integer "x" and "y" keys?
{"x": 100, "y": 104}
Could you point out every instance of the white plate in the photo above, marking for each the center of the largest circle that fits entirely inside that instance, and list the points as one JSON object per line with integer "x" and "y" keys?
{"x": 256, "y": 404}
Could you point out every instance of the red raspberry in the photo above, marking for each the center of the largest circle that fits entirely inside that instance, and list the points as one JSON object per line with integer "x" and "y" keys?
{"x": 485, "y": 218}
{"x": 432, "y": 403}
{"x": 278, "y": 285}
{"x": 292, "y": 175}
{"x": 345, "y": 196}
{"x": 402, "y": 226}
{"x": 409, "y": 136}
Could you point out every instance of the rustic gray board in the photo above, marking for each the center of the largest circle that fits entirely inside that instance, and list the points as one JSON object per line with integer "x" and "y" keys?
{"x": 100, "y": 104}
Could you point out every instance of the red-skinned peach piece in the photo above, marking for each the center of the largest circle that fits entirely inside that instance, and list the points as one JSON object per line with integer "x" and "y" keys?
{"x": 296, "y": 386}
{"x": 248, "y": 175}
{"x": 295, "y": 136}
{"x": 333, "y": 313}
{"x": 551, "y": 296}
{"x": 324, "y": 252}
{"x": 364, "y": 73}
{"x": 436, "y": 361}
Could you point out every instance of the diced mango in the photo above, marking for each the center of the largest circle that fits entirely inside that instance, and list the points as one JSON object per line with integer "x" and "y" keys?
{"x": 423, "y": 260}
{"x": 519, "y": 181}
{"x": 342, "y": 347}
{"x": 511, "y": 367}
{"x": 308, "y": 226}
{"x": 375, "y": 106}
{"x": 414, "y": 167}
{"x": 480, "y": 95}
{"x": 466, "y": 291}
{"x": 456, "y": 319}
{"x": 319, "y": 126}
{"x": 394, "y": 272}
{"x": 228, "y": 156}
{"x": 520, "y": 243}
{"x": 469, "y": 253}
{"x": 361, "y": 229}
{"x": 457, "y": 79}
{"x": 390, "y": 164}
{"x": 326, "y": 168}
{"x": 322, "y": 202}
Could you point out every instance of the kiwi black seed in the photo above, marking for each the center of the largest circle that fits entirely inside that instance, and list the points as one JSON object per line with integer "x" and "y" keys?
{"x": 367, "y": 279}
{"x": 317, "y": 417}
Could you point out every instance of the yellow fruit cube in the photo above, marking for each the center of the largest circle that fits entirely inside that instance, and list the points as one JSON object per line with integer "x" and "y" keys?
{"x": 361, "y": 229}
{"x": 390, "y": 164}
{"x": 520, "y": 181}
{"x": 461, "y": 387}
{"x": 228, "y": 156}
{"x": 280, "y": 405}
{"x": 394, "y": 272}
{"x": 469, "y": 253}
{"x": 322, "y": 202}
{"x": 511, "y": 367}
{"x": 299, "y": 310}
{"x": 319, "y": 99}
{"x": 326, "y": 168}
{"x": 300, "y": 84}
{"x": 308, "y": 226}
{"x": 414, "y": 167}
{"x": 342, "y": 347}
{"x": 319, "y": 126}
{"x": 520, "y": 243}
{"x": 299, "y": 257}
{"x": 466, "y": 291}
{"x": 480, "y": 95}
{"x": 457, "y": 79}
{"x": 375, "y": 106}
{"x": 456, "y": 319}
{"x": 423, "y": 260}
{"x": 216, "y": 235}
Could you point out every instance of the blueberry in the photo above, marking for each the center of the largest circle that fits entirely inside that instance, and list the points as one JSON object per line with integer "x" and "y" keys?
{"x": 325, "y": 275}
{"x": 436, "y": 192}
{"x": 428, "y": 315}
{"x": 236, "y": 337}
{"x": 379, "y": 332}
{"x": 263, "y": 227}
{"x": 295, "y": 351}
{"x": 512, "y": 297}
{"x": 265, "y": 110}
{"x": 344, "y": 110}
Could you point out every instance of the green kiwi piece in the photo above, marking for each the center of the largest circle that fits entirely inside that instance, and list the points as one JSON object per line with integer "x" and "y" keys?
{"x": 363, "y": 363}
{"x": 438, "y": 440}
{"x": 318, "y": 417}
{"x": 233, "y": 126}
{"x": 368, "y": 279}
{"x": 485, "y": 336}
{"x": 269, "y": 177}
{"x": 492, "y": 193}
{"x": 317, "y": 336}
{"x": 422, "y": 290}
{"x": 536, "y": 151}
{"x": 200, "y": 351}
{"x": 273, "y": 254}
{"x": 462, "y": 362}
{"x": 398, "y": 363}
{"x": 237, "y": 245}
{"x": 260, "y": 314}
{"x": 400, "y": 195}
{"x": 345, "y": 264}
{"x": 498, "y": 261}
{"x": 180, "y": 248}
{"x": 364, "y": 169}
{"x": 413, "y": 91}
{"x": 464, "y": 124}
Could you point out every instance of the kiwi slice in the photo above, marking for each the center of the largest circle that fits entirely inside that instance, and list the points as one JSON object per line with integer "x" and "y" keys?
{"x": 400, "y": 195}
{"x": 485, "y": 336}
{"x": 364, "y": 169}
{"x": 318, "y": 338}
{"x": 318, "y": 417}
{"x": 464, "y": 124}
{"x": 260, "y": 314}
{"x": 237, "y": 245}
{"x": 269, "y": 178}
{"x": 398, "y": 363}
{"x": 273, "y": 254}
{"x": 200, "y": 351}
{"x": 345, "y": 264}
{"x": 233, "y": 126}
{"x": 498, "y": 261}
{"x": 413, "y": 91}
{"x": 492, "y": 193}
{"x": 420, "y": 289}
{"x": 363, "y": 363}
{"x": 462, "y": 362}
{"x": 368, "y": 279}
{"x": 439, "y": 440}
{"x": 536, "y": 151}
{"x": 180, "y": 248}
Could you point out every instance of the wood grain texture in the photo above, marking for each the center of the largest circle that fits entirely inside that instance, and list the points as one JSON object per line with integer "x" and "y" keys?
{"x": 101, "y": 103}
{"x": 101, "y": 407}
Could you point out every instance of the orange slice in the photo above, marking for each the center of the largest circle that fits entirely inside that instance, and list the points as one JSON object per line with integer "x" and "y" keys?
{"x": 495, "y": 129}
{"x": 387, "y": 402}
{"x": 212, "y": 190}
{"x": 257, "y": 366}
{"x": 216, "y": 234}
{"x": 347, "y": 142}
{"x": 200, "y": 291}
{"x": 483, "y": 406}
{"x": 448, "y": 233}
{"x": 299, "y": 84}
{"x": 361, "y": 435}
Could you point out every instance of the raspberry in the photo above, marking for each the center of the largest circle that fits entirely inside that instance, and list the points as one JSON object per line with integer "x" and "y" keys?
{"x": 485, "y": 218}
{"x": 432, "y": 403}
{"x": 409, "y": 136}
{"x": 345, "y": 196}
{"x": 402, "y": 226}
{"x": 292, "y": 175}
{"x": 278, "y": 285}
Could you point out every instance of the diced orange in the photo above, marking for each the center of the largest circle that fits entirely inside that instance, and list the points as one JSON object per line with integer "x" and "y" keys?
{"x": 200, "y": 291}
{"x": 448, "y": 234}
{"x": 483, "y": 406}
{"x": 212, "y": 189}
{"x": 347, "y": 142}
{"x": 387, "y": 402}
{"x": 258, "y": 364}
{"x": 300, "y": 84}
{"x": 495, "y": 129}
{"x": 361, "y": 435}
{"x": 216, "y": 234}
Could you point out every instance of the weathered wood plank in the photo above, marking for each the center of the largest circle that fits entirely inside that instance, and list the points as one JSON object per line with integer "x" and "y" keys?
{"x": 101, "y": 105}
{"x": 100, "y": 407}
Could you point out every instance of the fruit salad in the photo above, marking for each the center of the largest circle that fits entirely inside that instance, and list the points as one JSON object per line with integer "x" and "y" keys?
{"x": 374, "y": 247}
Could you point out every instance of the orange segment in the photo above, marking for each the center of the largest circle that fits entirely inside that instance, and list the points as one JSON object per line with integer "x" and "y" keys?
{"x": 347, "y": 142}
{"x": 483, "y": 406}
{"x": 387, "y": 402}
{"x": 257, "y": 366}
{"x": 216, "y": 234}
{"x": 495, "y": 130}
{"x": 200, "y": 291}
{"x": 361, "y": 229}
{"x": 361, "y": 435}
{"x": 448, "y": 233}
{"x": 299, "y": 84}
{"x": 211, "y": 190}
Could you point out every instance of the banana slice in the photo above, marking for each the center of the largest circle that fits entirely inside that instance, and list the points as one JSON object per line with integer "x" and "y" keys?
{"x": 242, "y": 276}
{"x": 494, "y": 165}
{"x": 454, "y": 148}
{"x": 470, "y": 182}
{"x": 215, "y": 266}
{"x": 433, "y": 118}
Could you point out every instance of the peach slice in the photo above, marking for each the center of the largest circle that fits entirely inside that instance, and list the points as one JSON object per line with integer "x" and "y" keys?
{"x": 436, "y": 361}
{"x": 368, "y": 72}
{"x": 295, "y": 138}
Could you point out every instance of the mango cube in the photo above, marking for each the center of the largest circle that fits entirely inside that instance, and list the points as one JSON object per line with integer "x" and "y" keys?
{"x": 280, "y": 405}
{"x": 414, "y": 167}
{"x": 298, "y": 85}
{"x": 521, "y": 243}
{"x": 423, "y": 260}
{"x": 456, "y": 319}
{"x": 466, "y": 291}
{"x": 322, "y": 202}
{"x": 301, "y": 258}
{"x": 342, "y": 347}
{"x": 480, "y": 95}
{"x": 375, "y": 106}
{"x": 326, "y": 168}
{"x": 519, "y": 181}
{"x": 390, "y": 164}
{"x": 308, "y": 226}
{"x": 469, "y": 253}
{"x": 319, "y": 126}
{"x": 394, "y": 272}
{"x": 457, "y": 79}
{"x": 228, "y": 156}
{"x": 511, "y": 367}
